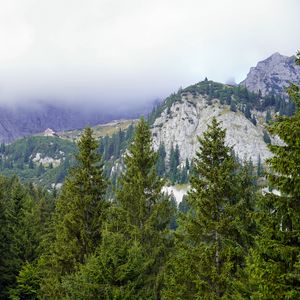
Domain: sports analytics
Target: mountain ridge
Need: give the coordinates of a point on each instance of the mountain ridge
(272, 75)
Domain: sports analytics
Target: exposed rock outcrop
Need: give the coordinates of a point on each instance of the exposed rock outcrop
(273, 75)
(188, 118)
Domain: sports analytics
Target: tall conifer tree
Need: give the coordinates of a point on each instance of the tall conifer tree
(273, 266)
(210, 246)
(129, 262)
(148, 212)
(80, 212)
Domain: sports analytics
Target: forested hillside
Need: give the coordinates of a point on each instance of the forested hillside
(46, 160)
(226, 240)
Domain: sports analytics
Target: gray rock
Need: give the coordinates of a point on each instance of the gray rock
(189, 118)
(273, 75)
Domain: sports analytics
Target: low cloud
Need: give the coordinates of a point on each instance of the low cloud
(122, 54)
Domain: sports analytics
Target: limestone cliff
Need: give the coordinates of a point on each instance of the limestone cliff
(188, 118)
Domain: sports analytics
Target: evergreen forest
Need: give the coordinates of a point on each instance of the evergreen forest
(121, 237)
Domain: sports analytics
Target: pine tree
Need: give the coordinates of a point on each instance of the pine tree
(115, 271)
(253, 120)
(211, 241)
(129, 262)
(31, 164)
(233, 107)
(260, 169)
(117, 143)
(80, 212)
(9, 263)
(174, 160)
(161, 165)
(148, 212)
(20, 231)
(273, 266)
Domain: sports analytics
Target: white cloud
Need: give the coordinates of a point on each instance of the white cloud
(135, 50)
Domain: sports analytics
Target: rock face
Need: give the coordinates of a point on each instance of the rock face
(188, 118)
(273, 75)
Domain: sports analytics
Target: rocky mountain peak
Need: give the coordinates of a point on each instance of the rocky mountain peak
(272, 75)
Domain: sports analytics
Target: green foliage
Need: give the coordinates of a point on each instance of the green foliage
(79, 215)
(233, 107)
(247, 112)
(253, 120)
(28, 283)
(129, 259)
(22, 225)
(273, 266)
(168, 102)
(143, 214)
(174, 160)
(115, 271)
(215, 233)
(237, 97)
(260, 169)
(17, 159)
(224, 244)
(161, 160)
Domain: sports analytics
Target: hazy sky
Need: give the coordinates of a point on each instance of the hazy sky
(121, 51)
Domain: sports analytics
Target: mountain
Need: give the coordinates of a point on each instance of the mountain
(269, 76)
(46, 157)
(22, 121)
(39, 159)
(186, 115)
(185, 120)
(272, 75)
(175, 125)
(242, 109)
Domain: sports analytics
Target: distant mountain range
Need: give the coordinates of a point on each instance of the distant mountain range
(244, 110)
(269, 76)
(22, 121)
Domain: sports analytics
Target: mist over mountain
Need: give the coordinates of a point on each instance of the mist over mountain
(22, 120)
(270, 76)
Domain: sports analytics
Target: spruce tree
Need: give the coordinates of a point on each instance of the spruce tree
(273, 267)
(129, 262)
(140, 188)
(115, 271)
(210, 245)
(161, 165)
(80, 212)
(174, 160)
(148, 212)
(20, 231)
(260, 169)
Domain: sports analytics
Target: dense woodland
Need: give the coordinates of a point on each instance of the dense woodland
(18, 158)
(226, 240)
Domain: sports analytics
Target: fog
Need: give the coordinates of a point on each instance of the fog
(121, 54)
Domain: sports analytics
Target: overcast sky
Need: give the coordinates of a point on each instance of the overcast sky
(121, 51)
